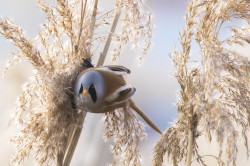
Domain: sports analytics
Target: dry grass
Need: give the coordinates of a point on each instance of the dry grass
(214, 96)
(213, 99)
(120, 125)
(44, 113)
(137, 25)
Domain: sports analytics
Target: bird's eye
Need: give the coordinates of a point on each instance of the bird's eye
(91, 86)
(92, 92)
(81, 89)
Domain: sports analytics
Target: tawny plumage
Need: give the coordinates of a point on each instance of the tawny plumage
(104, 89)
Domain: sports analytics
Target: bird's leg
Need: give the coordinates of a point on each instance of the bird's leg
(144, 116)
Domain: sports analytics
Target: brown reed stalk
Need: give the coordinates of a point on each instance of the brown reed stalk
(92, 24)
(190, 146)
(109, 39)
(73, 138)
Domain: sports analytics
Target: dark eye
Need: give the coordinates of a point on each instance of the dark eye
(91, 86)
(92, 92)
(81, 89)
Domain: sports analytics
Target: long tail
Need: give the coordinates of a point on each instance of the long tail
(144, 116)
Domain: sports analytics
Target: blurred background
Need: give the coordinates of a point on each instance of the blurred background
(156, 88)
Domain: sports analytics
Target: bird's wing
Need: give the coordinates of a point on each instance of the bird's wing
(120, 95)
(119, 70)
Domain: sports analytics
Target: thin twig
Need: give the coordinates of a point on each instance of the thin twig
(109, 39)
(209, 155)
(73, 138)
(92, 26)
(93, 19)
(98, 18)
(190, 141)
(59, 159)
(115, 9)
(71, 145)
(83, 9)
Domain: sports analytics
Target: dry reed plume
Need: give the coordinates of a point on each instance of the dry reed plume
(215, 94)
(44, 113)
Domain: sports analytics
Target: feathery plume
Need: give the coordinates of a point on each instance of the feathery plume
(214, 95)
(45, 113)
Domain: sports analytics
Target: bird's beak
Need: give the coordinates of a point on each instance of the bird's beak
(85, 91)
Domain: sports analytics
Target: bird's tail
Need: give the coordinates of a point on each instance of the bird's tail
(144, 116)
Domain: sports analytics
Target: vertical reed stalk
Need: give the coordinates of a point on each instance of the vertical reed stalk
(71, 145)
(109, 39)
(190, 143)
(59, 159)
(92, 25)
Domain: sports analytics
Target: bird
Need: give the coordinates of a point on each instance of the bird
(103, 89)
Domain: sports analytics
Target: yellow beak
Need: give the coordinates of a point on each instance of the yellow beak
(85, 91)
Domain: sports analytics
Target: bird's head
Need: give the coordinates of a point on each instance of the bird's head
(89, 90)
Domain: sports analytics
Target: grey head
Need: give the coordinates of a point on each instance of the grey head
(89, 91)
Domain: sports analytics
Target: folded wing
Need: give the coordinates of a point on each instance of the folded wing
(119, 70)
(120, 95)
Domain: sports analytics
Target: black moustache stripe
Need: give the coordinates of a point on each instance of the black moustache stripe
(92, 92)
(81, 89)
